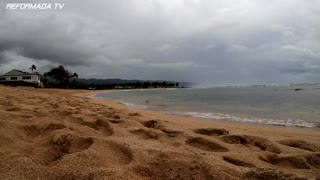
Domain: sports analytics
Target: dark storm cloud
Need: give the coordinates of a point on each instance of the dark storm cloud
(45, 38)
(204, 41)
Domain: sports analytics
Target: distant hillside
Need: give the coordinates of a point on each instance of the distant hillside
(108, 81)
(125, 81)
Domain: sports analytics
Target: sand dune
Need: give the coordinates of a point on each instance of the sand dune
(60, 134)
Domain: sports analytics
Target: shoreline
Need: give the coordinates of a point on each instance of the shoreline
(56, 133)
(254, 124)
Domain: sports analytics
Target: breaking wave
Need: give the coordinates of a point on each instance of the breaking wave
(278, 122)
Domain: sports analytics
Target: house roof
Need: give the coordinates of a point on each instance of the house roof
(15, 72)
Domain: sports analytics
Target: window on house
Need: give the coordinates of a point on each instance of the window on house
(26, 77)
(2, 79)
(13, 78)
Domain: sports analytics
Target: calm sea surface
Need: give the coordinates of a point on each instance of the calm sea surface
(297, 105)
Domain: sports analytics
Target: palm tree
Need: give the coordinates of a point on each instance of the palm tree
(33, 67)
(75, 75)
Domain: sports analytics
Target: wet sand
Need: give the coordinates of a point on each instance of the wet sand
(61, 134)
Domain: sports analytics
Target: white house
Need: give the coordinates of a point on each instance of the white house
(18, 77)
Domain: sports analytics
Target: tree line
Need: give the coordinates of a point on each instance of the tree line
(59, 77)
(135, 85)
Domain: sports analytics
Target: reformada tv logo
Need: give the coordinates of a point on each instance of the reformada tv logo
(35, 6)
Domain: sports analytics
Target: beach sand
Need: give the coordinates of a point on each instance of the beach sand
(61, 134)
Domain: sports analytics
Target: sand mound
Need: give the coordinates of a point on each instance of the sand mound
(52, 134)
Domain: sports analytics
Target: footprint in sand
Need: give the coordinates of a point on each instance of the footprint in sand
(205, 144)
(171, 132)
(44, 129)
(237, 162)
(306, 161)
(110, 113)
(262, 173)
(60, 143)
(145, 133)
(135, 114)
(157, 124)
(13, 108)
(174, 168)
(100, 125)
(116, 121)
(113, 153)
(70, 143)
(26, 116)
(6, 103)
(260, 142)
(64, 143)
(41, 113)
(211, 131)
(301, 144)
(64, 113)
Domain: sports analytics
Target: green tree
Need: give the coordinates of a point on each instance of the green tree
(60, 74)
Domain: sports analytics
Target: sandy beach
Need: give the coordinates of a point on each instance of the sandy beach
(62, 134)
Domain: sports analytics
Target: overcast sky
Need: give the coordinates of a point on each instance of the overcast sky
(210, 42)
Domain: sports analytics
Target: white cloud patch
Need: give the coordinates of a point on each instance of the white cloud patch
(300, 51)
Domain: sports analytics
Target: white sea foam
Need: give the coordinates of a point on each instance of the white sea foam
(133, 105)
(92, 96)
(171, 89)
(220, 116)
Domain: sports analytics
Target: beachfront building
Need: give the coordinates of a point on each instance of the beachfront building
(19, 78)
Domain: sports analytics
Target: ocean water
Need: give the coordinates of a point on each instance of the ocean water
(297, 106)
